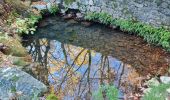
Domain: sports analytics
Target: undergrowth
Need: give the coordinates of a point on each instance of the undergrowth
(27, 25)
(157, 92)
(159, 36)
(106, 92)
(54, 9)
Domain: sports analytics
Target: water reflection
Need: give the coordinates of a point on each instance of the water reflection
(74, 71)
(76, 63)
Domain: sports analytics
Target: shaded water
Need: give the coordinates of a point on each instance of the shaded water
(76, 59)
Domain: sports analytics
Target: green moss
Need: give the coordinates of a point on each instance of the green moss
(15, 78)
(159, 36)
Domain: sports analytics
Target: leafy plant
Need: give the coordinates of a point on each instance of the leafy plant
(54, 9)
(157, 92)
(67, 2)
(27, 25)
(111, 93)
(160, 36)
(52, 96)
(101, 17)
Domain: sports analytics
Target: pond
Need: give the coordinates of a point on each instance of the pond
(77, 59)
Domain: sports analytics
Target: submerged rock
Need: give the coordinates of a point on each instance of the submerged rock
(15, 83)
(86, 24)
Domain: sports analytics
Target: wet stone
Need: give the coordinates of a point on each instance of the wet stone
(16, 83)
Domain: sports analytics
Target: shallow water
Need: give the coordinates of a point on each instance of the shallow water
(77, 59)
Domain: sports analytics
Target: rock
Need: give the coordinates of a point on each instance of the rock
(113, 27)
(165, 79)
(3, 47)
(68, 16)
(87, 24)
(17, 83)
(40, 7)
(79, 15)
(72, 21)
(168, 90)
(153, 82)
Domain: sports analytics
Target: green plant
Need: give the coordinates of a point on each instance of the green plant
(157, 92)
(102, 17)
(27, 25)
(52, 96)
(54, 9)
(159, 36)
(111, 93)
(19, 62)
(67, 2)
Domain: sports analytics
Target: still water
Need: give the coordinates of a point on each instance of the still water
(75, 60)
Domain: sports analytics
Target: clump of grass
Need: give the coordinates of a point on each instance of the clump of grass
(15, 48)
(19, 62)
(159, 36)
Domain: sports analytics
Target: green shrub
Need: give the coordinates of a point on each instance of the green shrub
(160, 36)
(54, 9)
(52, 96)
(157, 92)
(102, 17)
(110, 91)
(27, 25)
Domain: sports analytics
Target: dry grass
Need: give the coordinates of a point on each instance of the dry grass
(15, 48)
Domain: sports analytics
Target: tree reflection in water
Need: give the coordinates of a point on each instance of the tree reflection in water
(75, 72)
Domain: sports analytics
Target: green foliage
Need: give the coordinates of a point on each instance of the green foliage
(19, 62)
(157, 92)
(110, 91)
(67, 2)
(160, 36)
(54, 9)
(27, 25)
(12, 16)
(102, 17)
(52, 96)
